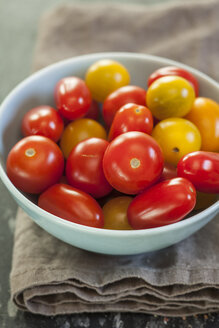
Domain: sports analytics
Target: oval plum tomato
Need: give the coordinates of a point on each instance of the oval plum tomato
(79, 130)
(205, 115)
(115, 213)
(72, 205)
(169, 172)
(72, 97)
(131, 117)
(177, 137)
(132, 162)
(34, 164)
(93, 111)
(175, 71)
(44, 121)
(105, 76)
(84, 168)
(165, 203)
(120, 97)
(202, 169)
(170, 96)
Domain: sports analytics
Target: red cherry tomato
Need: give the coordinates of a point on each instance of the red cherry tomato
(169, 172)
(175, 71)
(84, 167)
(202, 169)
(166, 202)
(132, 162)
(72, 97)
(131, 117)
(44, 121)
(34, 164)
(72, 204)
(120, 97)
(93, 111)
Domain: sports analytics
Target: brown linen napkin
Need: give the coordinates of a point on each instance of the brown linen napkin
(50, 277)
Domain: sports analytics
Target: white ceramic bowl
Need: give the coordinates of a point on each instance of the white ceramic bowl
(37, 90)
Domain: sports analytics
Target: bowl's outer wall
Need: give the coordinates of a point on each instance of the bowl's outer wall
(38, 90)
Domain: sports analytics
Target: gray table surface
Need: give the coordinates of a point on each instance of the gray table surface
(19, 21)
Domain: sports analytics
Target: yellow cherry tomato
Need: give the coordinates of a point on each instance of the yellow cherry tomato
(79, 130)
(177, 137)
(205, 115)
(115, 213)
(104, 77)
(204, 200)
(170, 96)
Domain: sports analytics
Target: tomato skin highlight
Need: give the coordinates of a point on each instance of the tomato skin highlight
(131, 117)
(132, 162)
(175, 71)
(164, 203)
(202, 169)
(120, 97)
(72, 205)
(44, 121)
(84, 167)
(72, 97)
(34, 164)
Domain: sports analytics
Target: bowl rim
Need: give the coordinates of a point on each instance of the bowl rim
(87, 229)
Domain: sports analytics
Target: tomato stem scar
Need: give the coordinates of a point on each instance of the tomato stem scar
(135, 163)
(175, 150)
(137, 110)
(30, 152)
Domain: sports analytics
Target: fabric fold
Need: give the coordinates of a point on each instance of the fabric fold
(50, 277)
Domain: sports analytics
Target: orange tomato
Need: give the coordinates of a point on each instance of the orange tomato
(205, 115)
(115, 213)
(79, 130)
